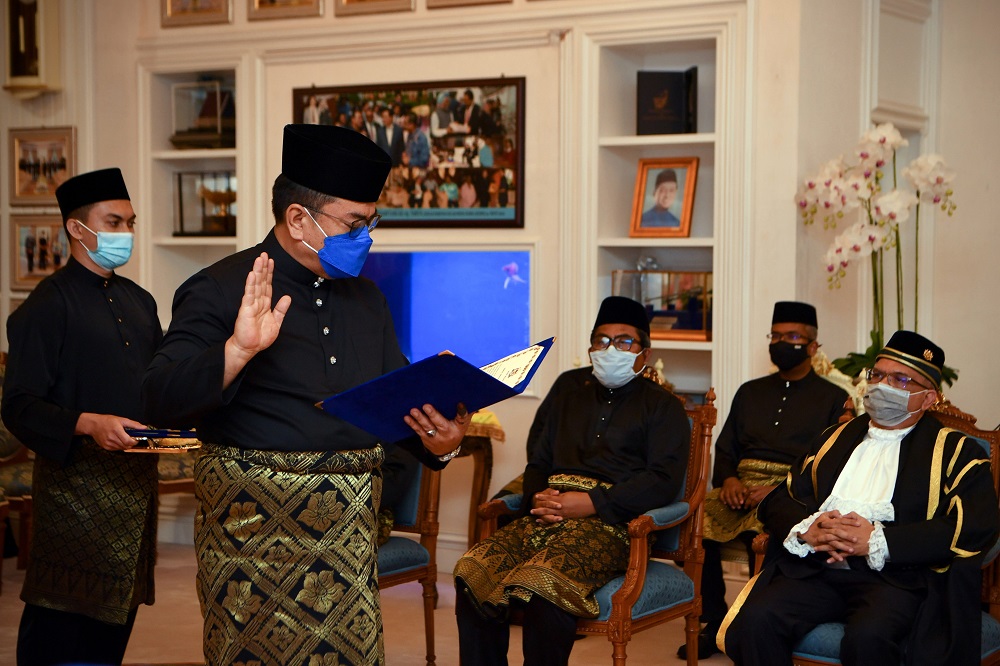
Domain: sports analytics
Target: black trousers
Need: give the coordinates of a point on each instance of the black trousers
(713, 584)
(546, 638)
(776, 615)
(49, 637)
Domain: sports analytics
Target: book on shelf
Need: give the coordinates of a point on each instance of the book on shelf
(667, 102)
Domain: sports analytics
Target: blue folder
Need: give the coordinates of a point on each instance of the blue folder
(443, 381)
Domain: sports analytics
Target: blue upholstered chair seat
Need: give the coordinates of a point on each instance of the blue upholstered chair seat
(823, 643)
(666, 586)
(400, 554)
(15, 479)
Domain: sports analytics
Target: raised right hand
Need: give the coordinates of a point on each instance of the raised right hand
(257, 325)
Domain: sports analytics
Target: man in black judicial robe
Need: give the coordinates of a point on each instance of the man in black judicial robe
(772, 421)
(79, 346)
(883, 526)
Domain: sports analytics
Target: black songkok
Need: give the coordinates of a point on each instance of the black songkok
(915, 351)
(621, 310)
(89, 188)
(794, 312)
(336, 161)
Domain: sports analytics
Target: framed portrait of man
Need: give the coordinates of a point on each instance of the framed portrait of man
(664, 197)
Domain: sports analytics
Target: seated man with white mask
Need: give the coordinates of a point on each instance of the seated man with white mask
(881, 525)
(607, 445)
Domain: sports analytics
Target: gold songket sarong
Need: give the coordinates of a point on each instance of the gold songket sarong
(723, 524)
(94, 544)
(564, 562)
(286, 556)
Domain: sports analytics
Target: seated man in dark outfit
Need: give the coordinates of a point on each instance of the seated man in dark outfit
(772, 421)
(882, 525)
(610, 445)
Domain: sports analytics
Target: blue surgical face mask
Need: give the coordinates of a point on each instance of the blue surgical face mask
(114, 248)
(888, 406)
(613, 367)
(342, 256)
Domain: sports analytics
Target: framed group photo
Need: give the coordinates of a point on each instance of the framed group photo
(457, 147)
(664, 197)
(41, 159)
(38, 248)
(195, 12)
(351, 7)
(275, 9)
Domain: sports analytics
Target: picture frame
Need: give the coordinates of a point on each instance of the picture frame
(463, 165)
(175, 13)
(679, 303)
(41, 159)
(38, 248)
(277, 9)
(32, 55)
(659, 210)
(354, 7)
(436, 4)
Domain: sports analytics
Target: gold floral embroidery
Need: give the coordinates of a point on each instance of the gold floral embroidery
(329, 659)
(323, 510)
(362, 626)
(240, 601)
(358, 544)
(277, 555)
(282, 637)
(320, 592)
(243, 520)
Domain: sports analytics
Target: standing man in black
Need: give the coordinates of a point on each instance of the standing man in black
(772, 421)
(78, 348)
(288, 495)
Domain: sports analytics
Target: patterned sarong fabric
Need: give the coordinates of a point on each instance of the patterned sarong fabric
(723, 524)
(286, 556)
(94, 544)
(564, 563)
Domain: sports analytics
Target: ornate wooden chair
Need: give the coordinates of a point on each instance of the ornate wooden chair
(4, 512)
(651, 591)
(15, 479)
(821, 646)
(402, 559)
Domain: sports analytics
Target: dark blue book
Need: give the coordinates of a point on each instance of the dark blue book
(444, 381)
(667, 102)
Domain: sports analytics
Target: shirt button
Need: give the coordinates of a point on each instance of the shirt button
(333, 359)
(326, 330)
(775, 423)
(783, 398)
(779, 411)
(119, 320)
(126, 343)
(316, 283)
(110, 300)
(319, 302)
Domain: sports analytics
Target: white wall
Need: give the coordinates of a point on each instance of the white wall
(966, 306)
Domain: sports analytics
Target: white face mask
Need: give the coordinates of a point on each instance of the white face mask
(888, 406)
(613, 368)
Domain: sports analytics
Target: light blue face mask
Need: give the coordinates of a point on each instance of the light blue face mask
(114, 248)
(342, 256)
(613, 367)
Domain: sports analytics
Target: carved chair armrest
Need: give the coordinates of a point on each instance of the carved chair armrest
(508, 505)
(639, 529)
(759, 549)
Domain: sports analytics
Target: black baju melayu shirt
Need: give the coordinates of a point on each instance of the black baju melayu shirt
(337, 334)
(79, 343)
(775, 419)
(636, 438)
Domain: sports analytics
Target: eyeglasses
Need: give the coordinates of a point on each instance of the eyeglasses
(356, 228)
(793, 337)
(894, 379)
(621, 342)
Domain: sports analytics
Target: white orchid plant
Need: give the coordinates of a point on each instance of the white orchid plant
(855, 192)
